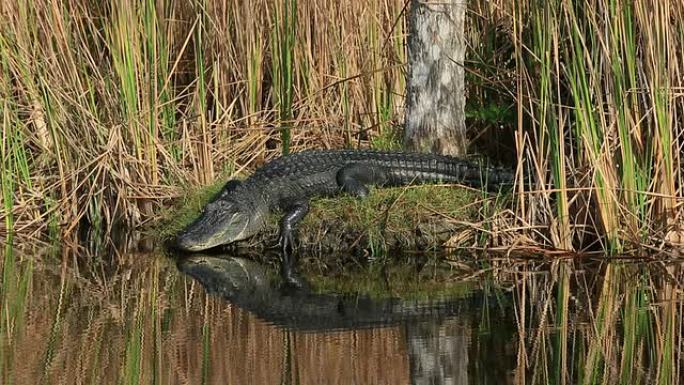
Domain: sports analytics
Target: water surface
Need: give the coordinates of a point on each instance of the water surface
(119, 316)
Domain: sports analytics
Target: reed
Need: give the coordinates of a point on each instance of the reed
(109, 111)
(283, 38)
(607, 124)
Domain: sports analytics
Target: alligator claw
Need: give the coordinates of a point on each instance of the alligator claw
(288, 268)
(286, 242)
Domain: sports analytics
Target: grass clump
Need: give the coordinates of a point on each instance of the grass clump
(414, 217)
(388, 139)
(187, 209)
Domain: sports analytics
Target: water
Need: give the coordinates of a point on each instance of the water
(73, 316)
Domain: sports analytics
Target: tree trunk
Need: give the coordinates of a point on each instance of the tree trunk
(435, 89)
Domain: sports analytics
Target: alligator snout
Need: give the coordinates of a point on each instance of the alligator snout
(185, 243)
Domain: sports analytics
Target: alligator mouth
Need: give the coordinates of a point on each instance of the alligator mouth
(185, 244)
(188, 241)
(195, 238)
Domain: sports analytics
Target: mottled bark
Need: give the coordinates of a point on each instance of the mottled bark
(435, 94)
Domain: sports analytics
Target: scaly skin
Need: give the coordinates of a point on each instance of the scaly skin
(288, 183)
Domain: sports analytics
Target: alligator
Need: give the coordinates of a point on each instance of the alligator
(286, 184)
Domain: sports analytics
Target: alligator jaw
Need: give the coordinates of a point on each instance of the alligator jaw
(186, 244)
(188, 241)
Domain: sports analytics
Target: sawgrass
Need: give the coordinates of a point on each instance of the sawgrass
(600, 123)
(283, 38)
(107, 109)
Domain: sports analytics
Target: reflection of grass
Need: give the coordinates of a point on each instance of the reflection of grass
(13, 301)
(610, 331)
(397, 279)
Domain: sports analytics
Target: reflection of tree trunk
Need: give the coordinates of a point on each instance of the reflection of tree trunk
(438, 352)
(435, 90)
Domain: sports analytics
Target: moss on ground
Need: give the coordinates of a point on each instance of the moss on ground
(173, 219)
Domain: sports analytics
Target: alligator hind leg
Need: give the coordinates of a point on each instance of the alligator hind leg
(288, 223)
(354, 178)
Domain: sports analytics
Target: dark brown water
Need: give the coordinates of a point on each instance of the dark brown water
(73, 316)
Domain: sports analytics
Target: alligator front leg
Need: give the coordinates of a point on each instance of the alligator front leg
(294, 214)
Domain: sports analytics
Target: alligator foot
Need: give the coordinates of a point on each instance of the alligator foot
(288, 268)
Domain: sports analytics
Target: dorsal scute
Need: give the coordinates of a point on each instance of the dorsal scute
(311, 160)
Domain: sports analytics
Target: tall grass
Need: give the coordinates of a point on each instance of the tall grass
(283, 39)
(601, 84)
(109, 109)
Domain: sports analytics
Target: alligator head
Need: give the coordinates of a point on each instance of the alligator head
(224, 220)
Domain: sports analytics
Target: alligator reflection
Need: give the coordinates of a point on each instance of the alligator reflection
(438, 334)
